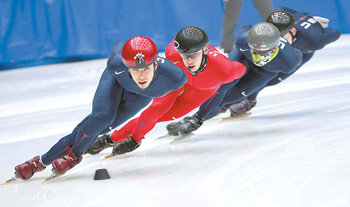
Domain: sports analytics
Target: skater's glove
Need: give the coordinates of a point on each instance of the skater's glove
(323, 21)
(189, 124)
(104, 141)
(125, 146)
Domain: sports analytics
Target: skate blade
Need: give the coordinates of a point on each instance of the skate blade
(109, 156)
(163, 137)
(236, 117)
(119, 156)
(9, 181)
(183, 138)
(50, 178)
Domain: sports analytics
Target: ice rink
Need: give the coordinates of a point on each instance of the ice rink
(292, 151)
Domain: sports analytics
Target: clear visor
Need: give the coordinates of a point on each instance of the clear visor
(191, 55)
(262, 58)
(262, 53)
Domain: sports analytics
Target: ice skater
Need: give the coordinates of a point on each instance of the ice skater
(302, 31)
(133, 77)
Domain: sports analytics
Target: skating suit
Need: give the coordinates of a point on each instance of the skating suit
(117, 99)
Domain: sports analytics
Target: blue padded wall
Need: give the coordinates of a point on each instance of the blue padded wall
(50, 31)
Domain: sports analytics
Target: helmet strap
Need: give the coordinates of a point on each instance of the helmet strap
(154, 70)
(294, 35)
(203, 64)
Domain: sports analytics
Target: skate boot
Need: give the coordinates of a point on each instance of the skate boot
(185, 126)
(223, 109)
(189, 124)
(242, 107)
(27, 169)
(104, 141)
(65, 163)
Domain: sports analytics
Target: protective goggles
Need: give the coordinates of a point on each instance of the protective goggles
(261, 52)
(262, 58)
(191, 55)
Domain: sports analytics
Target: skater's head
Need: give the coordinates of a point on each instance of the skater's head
(191, 42)
(284, 21)
(263, 39)
(140, 54)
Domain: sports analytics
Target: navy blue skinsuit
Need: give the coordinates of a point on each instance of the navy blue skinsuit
(117, 99)
(256, 78)
(311, 36)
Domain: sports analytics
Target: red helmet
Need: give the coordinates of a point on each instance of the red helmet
(139, 52)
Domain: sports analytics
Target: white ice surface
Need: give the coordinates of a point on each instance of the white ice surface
(293, 151)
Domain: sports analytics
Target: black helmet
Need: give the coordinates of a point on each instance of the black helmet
(283, 20)
(263, 37)
(190, 39)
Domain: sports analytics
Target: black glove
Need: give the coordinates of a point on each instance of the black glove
(125, 146)
(185, 126)
(104, 141)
